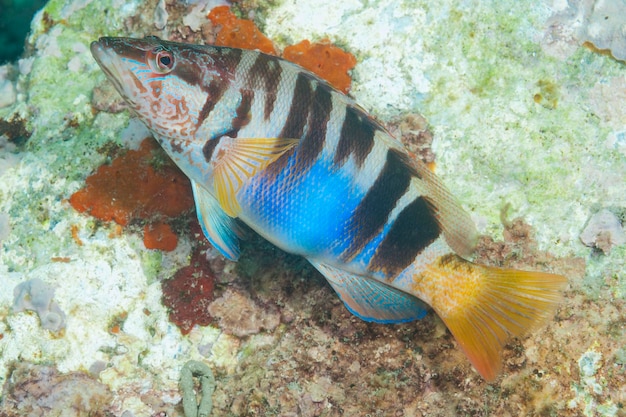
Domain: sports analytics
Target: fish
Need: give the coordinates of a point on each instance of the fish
(270, 145)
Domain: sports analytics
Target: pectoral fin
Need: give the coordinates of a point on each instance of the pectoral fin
(372, 300)
(240, 159)
(220, 229)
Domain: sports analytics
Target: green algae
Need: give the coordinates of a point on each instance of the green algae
(151, 263)
(61, 44)
(537, 144)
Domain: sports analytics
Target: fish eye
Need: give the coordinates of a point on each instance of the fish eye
(162, 61)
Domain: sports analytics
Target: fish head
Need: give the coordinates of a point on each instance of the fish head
(168, 85)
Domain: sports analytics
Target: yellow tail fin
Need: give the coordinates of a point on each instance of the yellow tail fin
(484, 306)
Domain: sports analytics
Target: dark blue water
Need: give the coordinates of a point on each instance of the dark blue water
(15, 17)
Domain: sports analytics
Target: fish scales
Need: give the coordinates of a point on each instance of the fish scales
(269, 144)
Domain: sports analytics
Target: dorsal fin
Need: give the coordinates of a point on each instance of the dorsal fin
(458, 228)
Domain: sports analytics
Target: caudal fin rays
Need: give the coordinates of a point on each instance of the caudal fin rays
(506, 303)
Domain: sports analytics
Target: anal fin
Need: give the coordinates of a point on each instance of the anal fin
(371, 300)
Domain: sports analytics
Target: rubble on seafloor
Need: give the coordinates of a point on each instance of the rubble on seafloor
(514, 113)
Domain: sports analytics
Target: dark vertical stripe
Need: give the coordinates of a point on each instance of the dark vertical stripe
(373, 212)
(209, 147)
(229, 58)
(215, 91)
(299, 110)
(193, 70)
(296, 120)
(313, 142)
(242, 114)
(412, 231)
(265, 74)
(356, 137)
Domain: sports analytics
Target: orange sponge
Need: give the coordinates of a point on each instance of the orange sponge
(238, 33)
(159, 236)
(324, 59)
(133, 187)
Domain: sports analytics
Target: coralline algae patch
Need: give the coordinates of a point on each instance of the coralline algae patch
(189, 292)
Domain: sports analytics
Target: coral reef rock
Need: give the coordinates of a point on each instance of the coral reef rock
(35, 390)
(241, 316)
(596, 22)
(603, 231)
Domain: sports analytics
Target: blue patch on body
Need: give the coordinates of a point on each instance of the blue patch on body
(303, 213)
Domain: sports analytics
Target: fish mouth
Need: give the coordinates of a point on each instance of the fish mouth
(110, 64)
